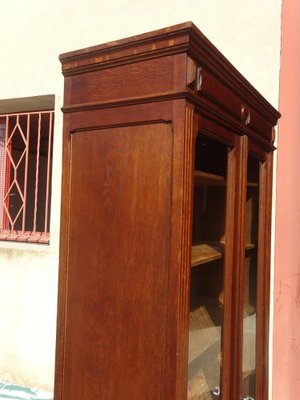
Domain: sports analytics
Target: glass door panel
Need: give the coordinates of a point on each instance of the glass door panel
(206, 303)
(250, 279)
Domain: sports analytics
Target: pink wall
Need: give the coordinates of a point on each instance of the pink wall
(286, 356)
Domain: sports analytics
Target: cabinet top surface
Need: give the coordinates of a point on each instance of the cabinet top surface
(134, 40)
(182, 38)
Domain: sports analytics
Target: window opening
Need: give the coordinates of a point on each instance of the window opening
(25, 176)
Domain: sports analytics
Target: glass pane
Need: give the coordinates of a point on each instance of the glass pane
(206, 305)
(250, 279)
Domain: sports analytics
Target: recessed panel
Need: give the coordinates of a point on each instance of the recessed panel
(118, 263)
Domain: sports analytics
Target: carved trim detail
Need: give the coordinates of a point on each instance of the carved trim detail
(183, 38)
(245, 115)
(185, 264)
(199, 79)
(202, 107)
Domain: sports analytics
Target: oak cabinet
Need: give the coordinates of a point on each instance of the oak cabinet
(166, 215)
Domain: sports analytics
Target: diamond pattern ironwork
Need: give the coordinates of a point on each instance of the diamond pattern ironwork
(22, 133)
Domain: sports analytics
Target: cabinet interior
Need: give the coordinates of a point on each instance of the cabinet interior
(208, 244)
(208, 247)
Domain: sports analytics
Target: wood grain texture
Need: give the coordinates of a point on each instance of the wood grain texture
(267, 275)
(184, 131)
(263, 282)
(204, 253)
(218, 92)
(97, 76)
(120, 116)
(118, 263)
(63, 256)
(128, 81)
(182, 38)
(131, 117)
(232, 372)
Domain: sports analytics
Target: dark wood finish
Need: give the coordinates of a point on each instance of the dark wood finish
(242, 266)
(128, 208)
(132, 112)
(228, 371)
(157, 75)
(207, 179)
(215, 90)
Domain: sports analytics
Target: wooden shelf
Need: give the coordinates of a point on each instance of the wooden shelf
(250, 246)
(252, 184)
(204, 253)
(206, 179)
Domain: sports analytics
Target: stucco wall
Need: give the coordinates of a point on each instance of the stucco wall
(286, 379)
(28, 317)
(32, 34)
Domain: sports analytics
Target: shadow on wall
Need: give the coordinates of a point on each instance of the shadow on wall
(10, 391)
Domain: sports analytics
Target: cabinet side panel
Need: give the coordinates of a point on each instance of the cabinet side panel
(117, 283)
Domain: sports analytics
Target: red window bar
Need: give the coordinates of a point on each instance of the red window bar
(25, 176)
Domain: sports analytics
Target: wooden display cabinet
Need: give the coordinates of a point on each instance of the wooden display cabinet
(166, 215)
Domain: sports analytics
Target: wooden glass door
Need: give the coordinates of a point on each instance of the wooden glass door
(207, 274)
(250, 279)
(228, 328)
(255, 289)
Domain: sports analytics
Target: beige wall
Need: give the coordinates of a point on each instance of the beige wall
(32, 34)
(27, 317)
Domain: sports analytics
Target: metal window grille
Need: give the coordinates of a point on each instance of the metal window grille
(2, 169)
(25, 176)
